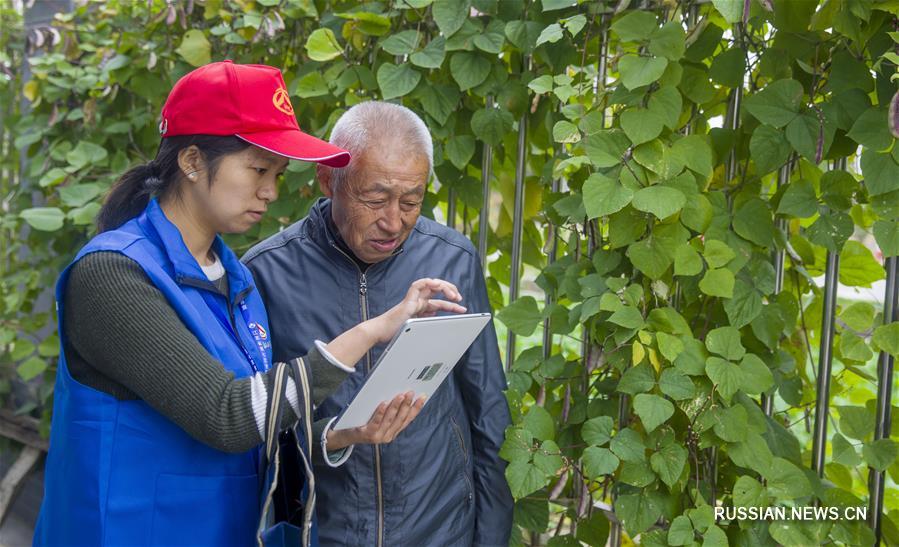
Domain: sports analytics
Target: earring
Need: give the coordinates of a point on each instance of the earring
(192, 175)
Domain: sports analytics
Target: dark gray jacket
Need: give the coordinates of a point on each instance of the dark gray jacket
(441, 482)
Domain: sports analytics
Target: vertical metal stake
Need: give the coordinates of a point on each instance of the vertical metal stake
(517, 229)
(451, 208)
(484, 214)
(883, 410)
(825, 361)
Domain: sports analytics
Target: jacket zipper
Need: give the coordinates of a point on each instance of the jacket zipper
(464, 458)
(363, 303)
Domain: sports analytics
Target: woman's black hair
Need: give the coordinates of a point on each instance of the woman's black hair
(129, 196)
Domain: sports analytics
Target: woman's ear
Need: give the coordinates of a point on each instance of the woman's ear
(191, 163)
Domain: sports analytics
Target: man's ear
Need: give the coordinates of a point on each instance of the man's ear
(323, 173)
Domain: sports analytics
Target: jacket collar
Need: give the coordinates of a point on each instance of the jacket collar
(185, 268)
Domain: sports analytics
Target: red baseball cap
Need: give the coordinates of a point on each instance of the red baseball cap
(247, 101)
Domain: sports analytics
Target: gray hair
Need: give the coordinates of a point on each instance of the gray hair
(372, 122)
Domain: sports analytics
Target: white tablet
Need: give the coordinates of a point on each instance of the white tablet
(418, 359)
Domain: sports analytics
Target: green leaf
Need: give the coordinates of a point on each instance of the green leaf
(729, 67)
(566, 132)
(628, 317)
(859, 316)
(880, 171)
(575, 24)
(802, 133)
(880, 454)
(493, 37)
(635, 26)
(669, 463)
(551, 5)
(524, 478)
(753, 222)
(854, 348)
(639, 71)
(46, 219)
(687, 261)
(886, 232)
(606, 148)
(460, 149)
(523, 34)
(322, 45)
(871, 130)
(598, 462)
(312, 84)
(651, 256)
(432, 55)
(86, 153)
(786, 481)
(628, 446)
(668, 41)
(450, 15)
(469, 69)
(641, 125)
(799, 200)
(542, 84)
(491, 124)
(858, 268)
(539, 423)
(652, 410)
(521, 316)
(856, 422)
(638, 379)
(31, 368)
(77, 195)
(401, 43)
(681, 531)
(844, 453)
(670, 346)
(638, 511)
(757, 377)
(517, 445)
(831, 230)
(549, 458)
(777, 104)
(439, 101)
(397, 81)
(717, 282)
(768, 148)
(725, 341)
(726, 375)
(82, 216)
(195, 48)
(731, 423)
(604, 196)
(676, 384)
(731, 10)
(597, 431)
(717, 253)
(366, 22)
(695, 153)
(661, 201)
(667, 104)
(749, 492)
(886, 338)
(532, 514)
(551, 34)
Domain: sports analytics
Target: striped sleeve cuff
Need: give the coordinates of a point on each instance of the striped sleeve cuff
(335, 458)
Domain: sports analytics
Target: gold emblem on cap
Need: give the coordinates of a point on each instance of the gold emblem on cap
(281, 100)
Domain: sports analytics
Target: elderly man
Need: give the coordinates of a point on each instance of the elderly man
(441, 481)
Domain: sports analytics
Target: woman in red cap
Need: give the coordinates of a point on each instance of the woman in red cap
(165, 371)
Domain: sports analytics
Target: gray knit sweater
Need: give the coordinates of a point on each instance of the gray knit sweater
(122, 337)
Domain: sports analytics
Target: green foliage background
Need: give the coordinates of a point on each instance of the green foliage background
(662, 307)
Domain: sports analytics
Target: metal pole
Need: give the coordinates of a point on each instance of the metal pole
(783, 178)
(517, 221)
(884, 392)
(825, 358)
(548, 300)
(451, 208)
(484, 214)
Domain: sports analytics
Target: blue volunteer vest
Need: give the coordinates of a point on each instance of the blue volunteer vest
(120, 473)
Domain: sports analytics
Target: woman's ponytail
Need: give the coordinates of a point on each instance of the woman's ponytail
(129, 196)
